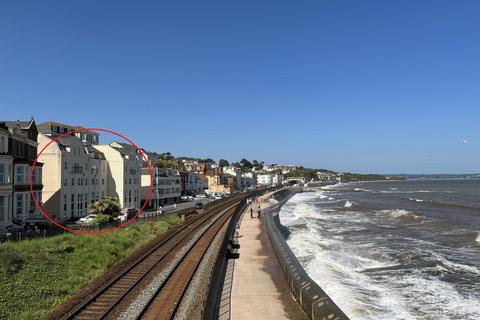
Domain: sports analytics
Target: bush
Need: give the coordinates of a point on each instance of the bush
(102, 219)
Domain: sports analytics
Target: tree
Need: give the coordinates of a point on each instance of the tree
(223, 163)
(208, 161)
(105, 208)
(165, 164)
(167, 156)
(246, 163)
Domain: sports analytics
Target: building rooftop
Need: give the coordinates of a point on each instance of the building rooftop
(46, 127)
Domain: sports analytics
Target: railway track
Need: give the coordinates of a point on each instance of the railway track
(175, 259)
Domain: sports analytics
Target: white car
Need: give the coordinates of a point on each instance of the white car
(87, 219)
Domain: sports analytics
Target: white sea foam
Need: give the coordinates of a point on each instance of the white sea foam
(399, 213)
(417, 200)
(336, 264)
(364, 190)
(348, 204)
(478, 237)
(454, 266)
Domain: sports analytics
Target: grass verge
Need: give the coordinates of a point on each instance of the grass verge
(38, 275)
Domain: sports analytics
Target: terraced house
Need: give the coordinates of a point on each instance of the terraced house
(75, 172)
(18, 150)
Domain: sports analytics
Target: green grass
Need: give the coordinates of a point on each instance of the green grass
(38, 275)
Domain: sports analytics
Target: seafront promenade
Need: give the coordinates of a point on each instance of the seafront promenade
(259, 289)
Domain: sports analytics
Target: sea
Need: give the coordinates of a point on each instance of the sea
(393, 249)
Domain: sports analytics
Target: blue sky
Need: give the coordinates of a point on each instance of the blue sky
(366, 86)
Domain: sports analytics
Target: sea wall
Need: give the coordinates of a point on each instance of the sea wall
(313, 300)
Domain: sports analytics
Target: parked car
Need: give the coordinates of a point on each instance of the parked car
(199, 205)
(130, 213)
(86, 219)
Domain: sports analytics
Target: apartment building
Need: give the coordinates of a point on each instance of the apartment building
(270, 179)
(75, 172)
(193, 183)
(167, 187)
(6, 185)
(124, 173)
(18, 150)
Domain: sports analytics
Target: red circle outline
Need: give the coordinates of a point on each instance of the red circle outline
(126, 223)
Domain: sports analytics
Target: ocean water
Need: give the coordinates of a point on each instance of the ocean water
(392, 250)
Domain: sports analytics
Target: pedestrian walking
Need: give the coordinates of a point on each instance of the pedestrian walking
(251, 213)
(259, 212)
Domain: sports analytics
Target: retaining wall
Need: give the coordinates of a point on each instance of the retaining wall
(313, 300)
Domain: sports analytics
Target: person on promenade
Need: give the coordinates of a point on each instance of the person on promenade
(251, 212)
(259, 212)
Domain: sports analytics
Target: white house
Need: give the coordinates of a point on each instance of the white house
(75, 173)
(124, 173)
(270, 179)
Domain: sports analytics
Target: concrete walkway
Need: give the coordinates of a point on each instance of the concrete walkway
(260, 290)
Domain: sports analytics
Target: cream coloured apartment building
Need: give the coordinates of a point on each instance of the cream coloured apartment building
(74, 176)
(124, 175)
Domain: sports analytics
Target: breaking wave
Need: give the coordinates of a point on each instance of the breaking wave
(348, 204)
(401, 214)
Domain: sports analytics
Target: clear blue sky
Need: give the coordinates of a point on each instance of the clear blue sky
(367, 86)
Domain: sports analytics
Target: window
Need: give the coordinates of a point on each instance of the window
(73, 181)
(32, 202)
(130, 181)
(2, 173)
(93, 197)
(65, 182)
(86, 181)
(103, 182)
(34, 176)
(65, 203)
(93, 181)
(72, 205)
(20, 174)
(80, 182)
(66, 165)
(3, 209)
(3, 149)
(19, 200)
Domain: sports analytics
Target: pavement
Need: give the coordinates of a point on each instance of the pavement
(259, 289)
